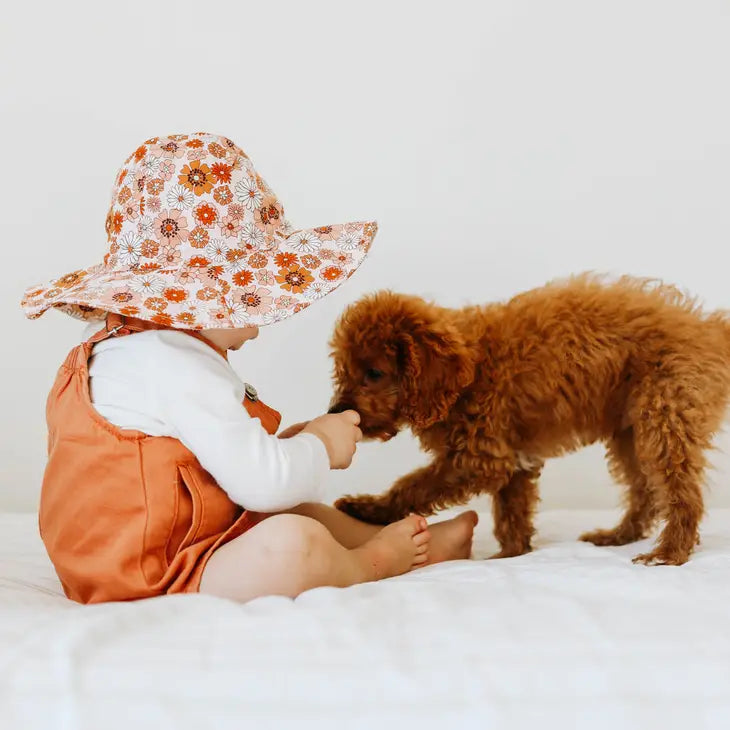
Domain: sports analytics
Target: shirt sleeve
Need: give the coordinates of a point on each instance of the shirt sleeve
(200, 397)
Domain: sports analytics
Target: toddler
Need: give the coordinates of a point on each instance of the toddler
(164, 472)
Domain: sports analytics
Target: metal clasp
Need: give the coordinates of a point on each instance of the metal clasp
(251, 392)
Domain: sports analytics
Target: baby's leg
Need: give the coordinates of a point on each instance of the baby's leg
(287, 554)
(450, 539)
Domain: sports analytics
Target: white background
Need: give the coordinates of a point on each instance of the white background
(498, 144)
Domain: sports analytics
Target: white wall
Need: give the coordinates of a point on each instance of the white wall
(499, 144)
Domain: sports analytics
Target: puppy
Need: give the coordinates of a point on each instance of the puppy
(494, 391)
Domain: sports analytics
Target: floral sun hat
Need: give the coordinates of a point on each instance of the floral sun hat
(197, 239)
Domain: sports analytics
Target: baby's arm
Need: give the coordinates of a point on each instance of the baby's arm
(201, 399)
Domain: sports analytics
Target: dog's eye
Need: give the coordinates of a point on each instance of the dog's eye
(372, 375)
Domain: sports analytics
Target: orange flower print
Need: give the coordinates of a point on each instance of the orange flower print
(332, 273)
(171, 227)
(216, 149)
(207, 294)
(167, 169)
(236, 210)
(268, 214)
(255, 300)
(206, 214)
(311, 262)
(196, 177)
(194, 143)
(124, 195)
(154, 205)
(294, 278)
(257, 261)
(139, 153)
(230, 226)
(146, 268)
(221, 172)
(325, 233)
(235, 258)
(185, 317)
(169, 257)
(171, 149)
(65, 282)
(130, 210)
(284, 260)
(175, 295)
(156, 304)
(223, 195)
(242, 278)
(198, 262)
(149, 249)
(215, 271)
(163, 319)
(129, 311)
(155, 186)
(53, 293)
(199, 237)
(123, 297)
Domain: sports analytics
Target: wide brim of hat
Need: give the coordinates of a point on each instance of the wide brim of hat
(172, 299)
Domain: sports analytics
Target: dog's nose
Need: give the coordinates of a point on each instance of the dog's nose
(339, 407)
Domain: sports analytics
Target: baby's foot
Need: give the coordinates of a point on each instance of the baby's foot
(398, 547)
(452, 539)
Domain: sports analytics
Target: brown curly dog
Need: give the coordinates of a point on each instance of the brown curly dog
(494, 391)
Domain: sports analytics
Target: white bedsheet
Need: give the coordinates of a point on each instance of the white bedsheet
(570, 636)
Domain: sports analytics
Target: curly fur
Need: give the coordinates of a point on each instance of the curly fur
(494, 391)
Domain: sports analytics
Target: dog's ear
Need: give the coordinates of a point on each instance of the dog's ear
(435, 365)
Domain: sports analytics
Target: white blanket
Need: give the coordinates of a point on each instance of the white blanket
(570, 636)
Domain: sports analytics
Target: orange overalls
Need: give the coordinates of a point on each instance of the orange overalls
(124, 515)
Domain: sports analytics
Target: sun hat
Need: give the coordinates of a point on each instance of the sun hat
(197, 239)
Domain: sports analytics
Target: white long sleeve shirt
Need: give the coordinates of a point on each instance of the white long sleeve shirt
(166, 383)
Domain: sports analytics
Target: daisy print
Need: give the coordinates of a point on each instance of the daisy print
(150, 165)
(349, 240)
(217, 250)
(275, 315)
(149, 285)
(304, 242)
(248, 193)
(252, 235)
(317, 290)
(237, 312)
(235, 260)
(130, 248)
(145, 227)
(180, 198)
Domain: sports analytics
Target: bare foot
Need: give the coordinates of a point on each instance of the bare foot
(397, 548)
(451, 539)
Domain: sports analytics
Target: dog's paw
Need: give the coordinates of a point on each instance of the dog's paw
(510, 552)
(604, 538)
(365, 508)
(661, 556)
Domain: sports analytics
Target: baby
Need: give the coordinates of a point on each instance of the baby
(164, 472)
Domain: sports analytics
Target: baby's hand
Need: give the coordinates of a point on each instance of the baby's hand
(287, 433)
(339, 433)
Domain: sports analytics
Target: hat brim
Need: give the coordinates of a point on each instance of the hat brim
(282, 277)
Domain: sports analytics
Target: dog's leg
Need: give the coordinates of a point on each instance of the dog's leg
(418, 492)
(513, 508)
(641, 511)
(424, 491)
(670, 438)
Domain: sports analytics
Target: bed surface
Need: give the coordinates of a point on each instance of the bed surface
(569, 636)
